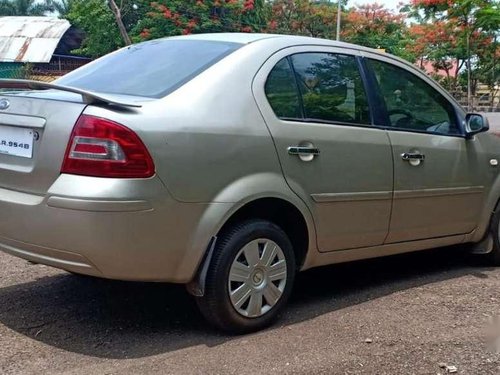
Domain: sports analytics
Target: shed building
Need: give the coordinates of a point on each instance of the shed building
(38, 46)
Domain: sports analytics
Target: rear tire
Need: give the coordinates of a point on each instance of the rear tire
(250, 277)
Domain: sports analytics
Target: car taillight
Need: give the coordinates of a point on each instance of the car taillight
(102, 148)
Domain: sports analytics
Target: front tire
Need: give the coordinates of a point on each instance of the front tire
(250, 277)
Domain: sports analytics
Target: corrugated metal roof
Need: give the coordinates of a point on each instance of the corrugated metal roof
(30, 39)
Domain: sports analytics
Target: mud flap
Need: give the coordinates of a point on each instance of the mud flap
(197, 286)
(483, 247)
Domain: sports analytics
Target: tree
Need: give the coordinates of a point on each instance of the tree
(104, 31)
(117, 12)
(369, 25)
(25, 7)
(374, 26)
(438, 44)
(256, 15)
(303, 17)
(62, 7)
(469, 21)
(175, 17)
(97, 21)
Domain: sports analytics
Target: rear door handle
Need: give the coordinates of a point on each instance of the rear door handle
(300, 150)
(413, 156)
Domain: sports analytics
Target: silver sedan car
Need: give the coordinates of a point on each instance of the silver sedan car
(228, 162)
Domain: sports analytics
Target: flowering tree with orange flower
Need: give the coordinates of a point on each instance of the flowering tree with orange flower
(457, 30)
(303, 17)
(370, 25)
(175, 17)
(373, 25)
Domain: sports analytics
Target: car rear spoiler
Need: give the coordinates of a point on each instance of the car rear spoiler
(88, 97)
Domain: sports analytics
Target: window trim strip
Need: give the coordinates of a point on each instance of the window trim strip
(297, 87)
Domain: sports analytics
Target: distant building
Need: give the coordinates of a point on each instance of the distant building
(429, 67)
(484, 99)
(38, 47)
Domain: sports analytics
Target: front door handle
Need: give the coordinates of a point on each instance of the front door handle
(302, 150)
(412, 156)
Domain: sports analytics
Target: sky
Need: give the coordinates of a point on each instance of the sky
(391, 4)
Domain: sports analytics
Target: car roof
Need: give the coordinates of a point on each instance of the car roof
(247, 38)
(243, 38)
(285, 41)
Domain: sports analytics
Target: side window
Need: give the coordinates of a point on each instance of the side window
(413, 104)
(331, 88)
(281, 91)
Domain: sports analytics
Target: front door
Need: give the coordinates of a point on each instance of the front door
(314, 103)
(438, 179)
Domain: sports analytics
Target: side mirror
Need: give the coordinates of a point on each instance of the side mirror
(475, 123)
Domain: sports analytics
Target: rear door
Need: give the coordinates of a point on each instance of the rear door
(439, 175)
(34, 133)
(314, 102)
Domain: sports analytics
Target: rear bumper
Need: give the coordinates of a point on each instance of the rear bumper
(51, 257)
(127, 229)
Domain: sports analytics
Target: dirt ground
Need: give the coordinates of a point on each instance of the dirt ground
(419, 310)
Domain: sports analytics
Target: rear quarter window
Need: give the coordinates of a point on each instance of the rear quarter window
(281, 91)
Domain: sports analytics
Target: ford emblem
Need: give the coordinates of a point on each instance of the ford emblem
(4, 104)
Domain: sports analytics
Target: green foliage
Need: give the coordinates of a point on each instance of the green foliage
(488, 17)
(374, 26)
(62, 7)
(97, 21)
(303, 17)
(175, 17)
(439, 35)
(461, 31)
(25, 7)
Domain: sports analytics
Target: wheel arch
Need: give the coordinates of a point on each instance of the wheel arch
(492, 202)
(280, 212)
(294, 219)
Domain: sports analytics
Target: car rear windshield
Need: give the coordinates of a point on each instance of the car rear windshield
(151, 69)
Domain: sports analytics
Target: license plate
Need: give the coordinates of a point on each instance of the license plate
(16, 141)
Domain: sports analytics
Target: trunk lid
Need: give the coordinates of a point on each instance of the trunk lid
(34, 133)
